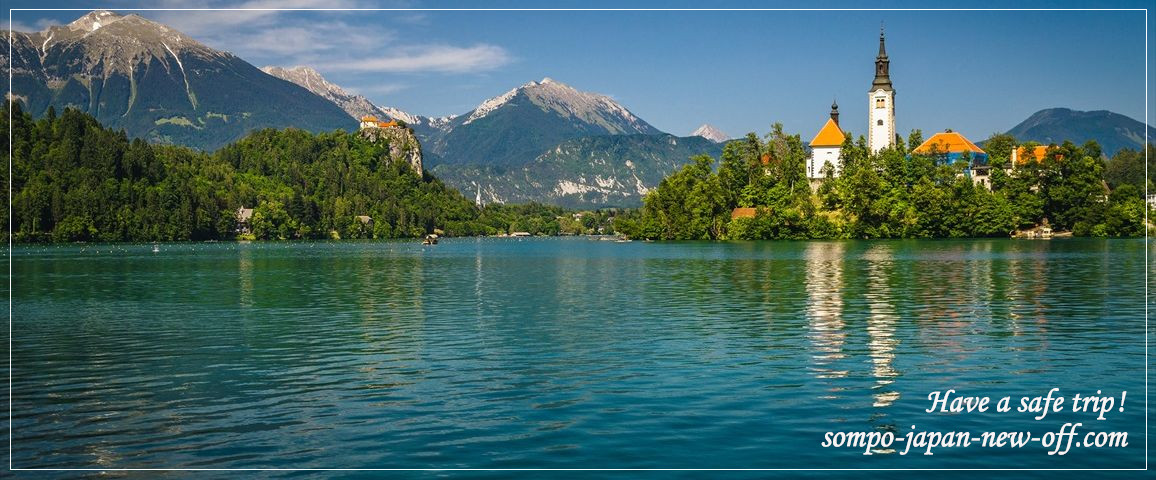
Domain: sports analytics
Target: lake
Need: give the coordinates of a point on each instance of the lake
(567, 352)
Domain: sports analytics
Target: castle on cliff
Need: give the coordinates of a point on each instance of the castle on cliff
(403, 144)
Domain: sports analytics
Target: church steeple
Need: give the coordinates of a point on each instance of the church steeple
(882, 49)
(882, 66)
(835, 112)
(881, 129)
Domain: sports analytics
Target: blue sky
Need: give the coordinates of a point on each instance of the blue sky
(977, 72)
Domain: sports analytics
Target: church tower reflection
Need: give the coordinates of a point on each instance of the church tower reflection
(881, 343)
(824, 283)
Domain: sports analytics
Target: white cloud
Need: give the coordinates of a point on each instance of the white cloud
(244, 16)
(430, 58)
(249, 14)
(16, 25)
(376, 89)
(414, 18)
(354, 49)
(21, 26)
(327, 40)
(300, 43)
(44, 23)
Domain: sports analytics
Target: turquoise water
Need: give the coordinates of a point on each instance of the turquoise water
(560, 353)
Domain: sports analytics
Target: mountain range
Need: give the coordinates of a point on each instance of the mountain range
(157, 83)
(512, 129)
(595, 171)
(356, 106)
(508, 130)
(541, 141)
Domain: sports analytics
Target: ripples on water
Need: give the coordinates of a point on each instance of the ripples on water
(498, 353)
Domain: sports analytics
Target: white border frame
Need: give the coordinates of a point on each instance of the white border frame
(10, 393)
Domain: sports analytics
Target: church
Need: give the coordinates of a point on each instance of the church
(947, 146)
(826, 145)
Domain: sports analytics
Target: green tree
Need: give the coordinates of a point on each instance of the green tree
(1126, 168)
(999, 148)
(690, 204)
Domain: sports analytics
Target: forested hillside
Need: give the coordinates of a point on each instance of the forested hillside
(74, 180)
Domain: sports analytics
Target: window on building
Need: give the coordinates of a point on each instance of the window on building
(880, 102)
(879, 122)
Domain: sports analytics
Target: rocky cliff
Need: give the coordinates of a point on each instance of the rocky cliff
(403, 144)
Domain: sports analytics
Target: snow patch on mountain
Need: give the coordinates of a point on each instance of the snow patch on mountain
(555, 96)
(492, 104)
(711, 133)
(110, 43)
(92, 21)
(585, 106)
(356, 106)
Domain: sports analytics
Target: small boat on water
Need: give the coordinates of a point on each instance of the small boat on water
(156, 248)
(431, 239)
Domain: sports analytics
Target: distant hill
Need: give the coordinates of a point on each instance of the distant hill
(599, 171)
(157, 83)
(1111, 130)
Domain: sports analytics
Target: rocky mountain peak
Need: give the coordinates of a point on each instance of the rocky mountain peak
(93, 20)
(309, 78)
(567, 102)
(118, 40)
(157, 83)
(711, 133)
(355, 105)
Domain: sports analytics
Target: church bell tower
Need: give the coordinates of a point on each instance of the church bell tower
(881, 98)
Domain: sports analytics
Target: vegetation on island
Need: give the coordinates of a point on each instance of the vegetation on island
(74, 180)
(892, 194)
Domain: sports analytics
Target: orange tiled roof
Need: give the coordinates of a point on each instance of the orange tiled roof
(744, 212)
(1038, 154)
(829, 136)
(369, 118)
(388, 124)
(948, 142)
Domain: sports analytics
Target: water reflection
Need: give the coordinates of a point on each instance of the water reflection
(944, 317)
(881, 323)
(558, 353)
(1035, 286)
(980, 285)
(245, 271)
(824, 282)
